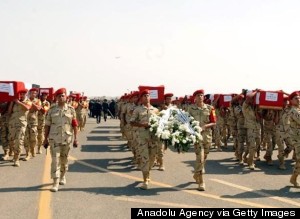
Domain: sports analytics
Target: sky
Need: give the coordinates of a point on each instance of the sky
(110, 47)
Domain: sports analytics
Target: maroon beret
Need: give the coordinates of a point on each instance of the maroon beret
(168, 95)
(295, 93)
(34, 89)
(61, 91)
(143, 92)
(22, 91)
(198, 92)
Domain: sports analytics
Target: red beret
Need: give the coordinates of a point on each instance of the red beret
(45, 92)
(198, 92)
(61, 91)
(34, 89)
(84, 97)
(135, 94)
(295, 93)
(143, 92)
(22, 91)
(168, 95)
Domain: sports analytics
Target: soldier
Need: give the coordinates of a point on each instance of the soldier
(161, 147)
(32, 123)
(205, 115)
(45, 106)
(283, 132)
(19, 110)
(252, 123)
(147, 142)
(295, 133)
(81, 112)
(4, 129)
(60, 125)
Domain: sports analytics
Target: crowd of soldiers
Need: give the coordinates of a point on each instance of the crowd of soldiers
(22, 122)
(251, 128)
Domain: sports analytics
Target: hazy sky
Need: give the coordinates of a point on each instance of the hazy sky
(221, 46)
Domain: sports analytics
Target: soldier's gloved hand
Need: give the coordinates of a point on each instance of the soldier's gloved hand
(46, 144)
(75, 144)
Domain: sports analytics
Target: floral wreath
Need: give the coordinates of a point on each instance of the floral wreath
(177, 128)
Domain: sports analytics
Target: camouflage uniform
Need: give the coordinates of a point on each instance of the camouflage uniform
(147, 141)
(253, 132)
(31, 130)
(283, 134)
(294, 116)
(60, 137)
(269, 131)
(204, 115)
(41, 123)
(17, 127)
(4, 118)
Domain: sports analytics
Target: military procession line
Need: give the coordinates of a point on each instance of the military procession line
(255, 119)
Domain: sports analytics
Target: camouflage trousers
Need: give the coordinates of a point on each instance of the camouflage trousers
(253, 138)
(147, 148)
(160, 151)
(270, 137)
(16, 139)
(200, 161)
(283, 139)
(207, 140)
(128, 134)
(30, 138)
(4, 137)
(296, 144)
(41, 134)
(59, 156)
(135, 146)
(242, 140)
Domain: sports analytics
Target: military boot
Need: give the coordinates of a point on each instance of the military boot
(146, 178)
(62, 180)
(196, 178)
(161, 165)
(293, 180)
(5, 155)
(32, 150)
(281, 162)
(201, 186)
(39, 151)
(27, 156)
(55, 185)
(251, 159)
(16, 160)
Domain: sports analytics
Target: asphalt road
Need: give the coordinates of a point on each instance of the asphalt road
(102, 182)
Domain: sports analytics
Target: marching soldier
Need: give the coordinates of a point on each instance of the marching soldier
(147, 142)
(205, 115)
(295, 133)
(4, 118)
(18, 109)
(45, 106)
(32, 123)
(60, 128)
(161, 147)
(252, 123)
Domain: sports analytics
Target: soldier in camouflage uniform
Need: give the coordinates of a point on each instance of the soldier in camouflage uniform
(4, 118)
(18, 109)
(147, 141)
(60, 125)
(32, 123)
(161, 147)
(252, 123)
(45, 106)
(205, 115)
(283, 132)
(294, 117)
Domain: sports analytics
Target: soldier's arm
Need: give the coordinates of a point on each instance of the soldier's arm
(26, 106)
